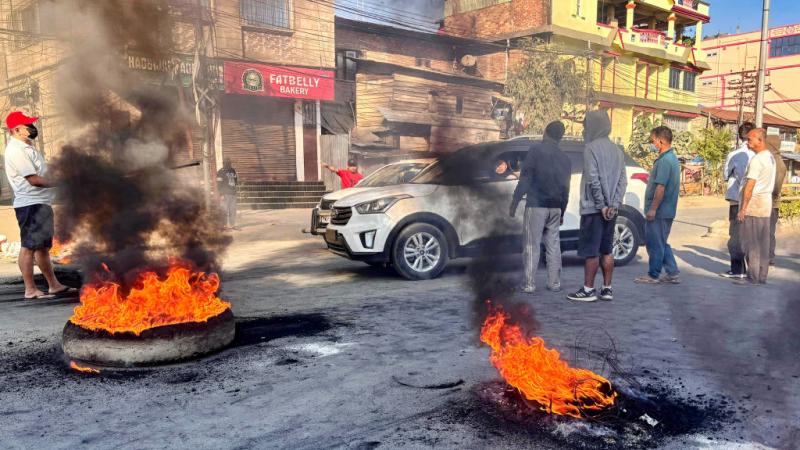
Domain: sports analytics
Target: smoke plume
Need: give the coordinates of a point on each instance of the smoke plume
(119, 199)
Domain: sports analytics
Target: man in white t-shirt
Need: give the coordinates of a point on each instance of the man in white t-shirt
(26, 171)
(755, 208)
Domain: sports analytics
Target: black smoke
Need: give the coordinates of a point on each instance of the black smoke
(118, 197)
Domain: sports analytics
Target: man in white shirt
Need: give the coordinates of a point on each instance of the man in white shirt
(734, 173)
(26, 171)
(755, 208)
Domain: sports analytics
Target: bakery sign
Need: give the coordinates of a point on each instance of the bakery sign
(278, 81)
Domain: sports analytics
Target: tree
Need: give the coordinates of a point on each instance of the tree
(546, 86)
(639, 148)
(713, 145)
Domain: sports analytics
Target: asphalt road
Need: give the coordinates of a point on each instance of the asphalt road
(335, 354)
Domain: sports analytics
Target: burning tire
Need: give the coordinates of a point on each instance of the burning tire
(626, 241)
(159, 345)
(420, 252)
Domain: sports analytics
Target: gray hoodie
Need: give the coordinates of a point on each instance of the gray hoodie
(604, 179)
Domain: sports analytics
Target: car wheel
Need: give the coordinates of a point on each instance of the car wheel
(420, 252)
(626, 241)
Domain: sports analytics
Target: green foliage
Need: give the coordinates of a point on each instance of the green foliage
(790, 210)
(713, 145)
(639, 148)
(546, 86)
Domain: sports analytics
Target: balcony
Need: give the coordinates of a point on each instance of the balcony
(645, 39)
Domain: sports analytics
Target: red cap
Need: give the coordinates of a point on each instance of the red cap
(16, 119)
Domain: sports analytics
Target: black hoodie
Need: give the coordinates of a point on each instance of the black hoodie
(545, 177)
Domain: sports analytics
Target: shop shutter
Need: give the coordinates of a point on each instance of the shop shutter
(258, 135)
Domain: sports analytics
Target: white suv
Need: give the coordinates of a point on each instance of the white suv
(458, 207)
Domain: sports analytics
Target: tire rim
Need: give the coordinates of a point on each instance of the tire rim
(624, 241)
(422, 252)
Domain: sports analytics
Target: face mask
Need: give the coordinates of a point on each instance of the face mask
(654, 149)
(33, 133)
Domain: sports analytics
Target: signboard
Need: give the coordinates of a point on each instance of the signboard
(179, 66)
(772, 131)
(788, 146)
(278, 81)
(784, 31)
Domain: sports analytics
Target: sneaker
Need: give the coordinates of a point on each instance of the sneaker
(528, 289)
(581, 295)
(647, 279)
(606, 294)
(554, 288)
(670, 279)
(732, 275)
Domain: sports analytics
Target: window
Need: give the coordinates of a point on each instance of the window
(578, 8)
(676, 123)
(266, 13)
(711, 55)
(784, 46)
(459, 104)
(27, 21)
(688, 81)
(423, 62)
(346, 65)
(674, 78)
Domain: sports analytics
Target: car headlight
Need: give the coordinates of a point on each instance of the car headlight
(380, 205)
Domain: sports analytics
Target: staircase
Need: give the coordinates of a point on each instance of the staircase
(280, 194)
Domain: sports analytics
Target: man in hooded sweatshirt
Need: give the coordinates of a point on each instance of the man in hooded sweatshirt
(603, 186)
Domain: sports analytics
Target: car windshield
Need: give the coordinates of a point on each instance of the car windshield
(393, 174)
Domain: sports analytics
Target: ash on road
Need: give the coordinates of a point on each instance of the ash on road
(332, 353)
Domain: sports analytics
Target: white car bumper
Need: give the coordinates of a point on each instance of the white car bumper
(362, 235)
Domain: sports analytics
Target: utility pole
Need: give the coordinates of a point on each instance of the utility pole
(762, 66)
(204, 102)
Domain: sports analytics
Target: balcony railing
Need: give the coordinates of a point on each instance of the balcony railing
(646, 36)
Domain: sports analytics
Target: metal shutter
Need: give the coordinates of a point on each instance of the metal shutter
(258, 135)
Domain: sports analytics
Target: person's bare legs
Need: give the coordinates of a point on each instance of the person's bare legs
(607, 261)
(25, 262)
(46, 266)
(590, 271)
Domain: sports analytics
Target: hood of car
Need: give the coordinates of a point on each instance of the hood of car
(340, 194)
(370, 194)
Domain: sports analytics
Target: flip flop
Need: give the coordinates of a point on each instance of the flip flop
(41, 297)
(65, 292)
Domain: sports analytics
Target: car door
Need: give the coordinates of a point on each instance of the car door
(483, 205)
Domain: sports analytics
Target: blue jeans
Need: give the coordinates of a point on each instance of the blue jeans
(661, 257)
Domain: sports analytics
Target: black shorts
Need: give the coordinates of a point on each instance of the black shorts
(35, 226)
(596, 236)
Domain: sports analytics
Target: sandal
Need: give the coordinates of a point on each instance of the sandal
(40, 297)
(64, 292)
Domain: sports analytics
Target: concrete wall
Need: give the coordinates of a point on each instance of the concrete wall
(729, 56)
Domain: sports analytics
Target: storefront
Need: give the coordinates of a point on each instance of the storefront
(270, 124)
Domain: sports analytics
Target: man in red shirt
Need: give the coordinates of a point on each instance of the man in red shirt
(350, 176)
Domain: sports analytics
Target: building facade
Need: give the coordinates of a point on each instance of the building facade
(730, 84)
(413, 93)
(642, 54)
(271, 64)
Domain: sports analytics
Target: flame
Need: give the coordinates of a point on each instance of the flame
(182, 296)
(58, 251)
(74, 366)
(539, 373)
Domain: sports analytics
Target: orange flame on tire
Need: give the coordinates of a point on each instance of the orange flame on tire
(538, 372)
(182, 296)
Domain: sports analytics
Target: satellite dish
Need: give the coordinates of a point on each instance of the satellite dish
(468, 60)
